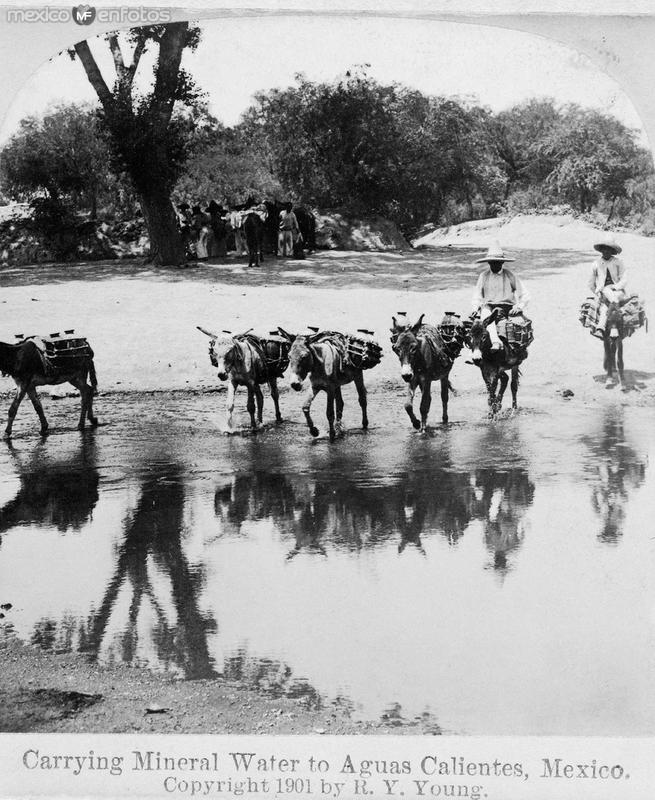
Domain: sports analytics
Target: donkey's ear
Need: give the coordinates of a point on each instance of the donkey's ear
(286, 335)
(395, 324)
(417, 324)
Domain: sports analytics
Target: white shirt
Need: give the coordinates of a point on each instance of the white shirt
(493, 288)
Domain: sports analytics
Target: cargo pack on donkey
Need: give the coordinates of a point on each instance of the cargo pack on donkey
(49, 360)
(360, 350)
(61, 354)
(633, 312)
(517, 332)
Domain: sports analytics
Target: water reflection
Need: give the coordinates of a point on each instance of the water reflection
(154, 588)
(617, 469)
(58, 494)
(503, 499)
(338, 512)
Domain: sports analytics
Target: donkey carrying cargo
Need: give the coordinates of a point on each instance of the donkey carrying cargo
(49, 360)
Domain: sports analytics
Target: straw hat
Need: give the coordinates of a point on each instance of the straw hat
(494, 253)
(610, 242)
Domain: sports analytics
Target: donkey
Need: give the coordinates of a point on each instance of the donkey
(24, 363)
(241, 360)
(613, 336)
(423, 358)
(494, 365)
(253, 229)
(321, 356)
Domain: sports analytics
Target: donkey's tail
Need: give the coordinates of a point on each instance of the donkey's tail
(93, 377)
(452, 389)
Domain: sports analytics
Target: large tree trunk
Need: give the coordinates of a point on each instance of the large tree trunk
(166, 246)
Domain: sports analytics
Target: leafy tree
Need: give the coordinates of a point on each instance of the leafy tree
(227, 165)
(594, 156)
(148, 139)
(518, 135)
(371, 148)
(63, 155)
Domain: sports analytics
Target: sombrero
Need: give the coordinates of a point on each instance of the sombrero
(608, 241)
(494, 253)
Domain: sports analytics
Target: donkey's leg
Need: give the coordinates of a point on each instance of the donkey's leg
(504, 378)
(31, 393)
(490, 377)
(93, 420)
(445, 386)
(260, 402)
(619, 361)
(307, 402)
(81, 387)
(231, 394)
(250, 405)
(330, 412)
(338, 399)
(515, 385)
(409, 403)
(426, 402)
(361, 394)
(13, 408)
(276, 398)
(609, 361)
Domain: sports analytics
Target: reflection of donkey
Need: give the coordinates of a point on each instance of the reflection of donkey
(423, 359)
(58, 494)
(24, 363)
(321, 356)
(494, 365)
(241, 359)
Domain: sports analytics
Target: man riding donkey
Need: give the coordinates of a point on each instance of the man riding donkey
(608, 280)
(498, 292)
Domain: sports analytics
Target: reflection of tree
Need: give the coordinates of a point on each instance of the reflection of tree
(153, 536)
(273, 677)
(60, 494)
(618, 469)
(502, 500)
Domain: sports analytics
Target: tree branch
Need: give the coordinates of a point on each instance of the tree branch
(94, 75)
(171, 45)
(139, 49)
(117, 54)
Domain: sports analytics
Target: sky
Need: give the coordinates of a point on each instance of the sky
(238, 57)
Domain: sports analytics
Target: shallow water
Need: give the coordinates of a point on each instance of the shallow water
(490, 577)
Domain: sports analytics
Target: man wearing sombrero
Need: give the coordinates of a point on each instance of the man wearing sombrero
(498, 287)
(608, 277)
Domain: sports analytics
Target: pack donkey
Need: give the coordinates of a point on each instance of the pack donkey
(424, 358)
(322, 357)
(27, 365)
(495, 364)
(241, 360)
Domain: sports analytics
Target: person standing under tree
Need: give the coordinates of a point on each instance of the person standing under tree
(289, 229)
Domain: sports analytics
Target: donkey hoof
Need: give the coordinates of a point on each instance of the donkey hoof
(278, 420)
(45, 431)
(333, 436)
(313, 431)
(416, 424)
(94, 422)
